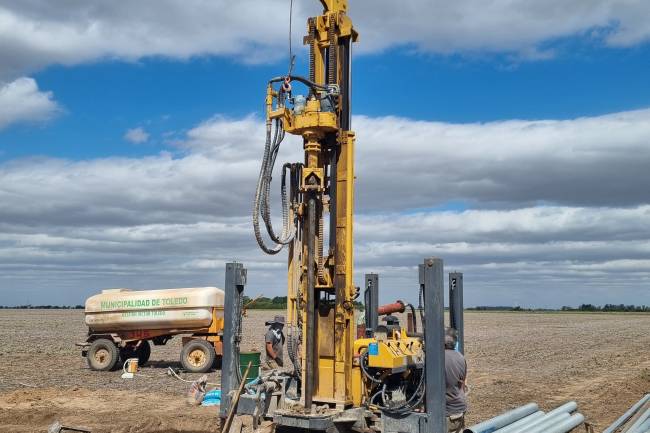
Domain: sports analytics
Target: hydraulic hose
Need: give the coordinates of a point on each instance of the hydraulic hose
(414, 321)
(362, 361)
(309, 83)
(421, 305)
(261, 202)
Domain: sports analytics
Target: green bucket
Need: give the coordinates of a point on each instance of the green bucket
(254, 359)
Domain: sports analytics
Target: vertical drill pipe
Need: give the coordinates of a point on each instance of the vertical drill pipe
(456, 307)
(231, 316)
(311, 301)
(320, 260)
(371, 296)
(434, 345)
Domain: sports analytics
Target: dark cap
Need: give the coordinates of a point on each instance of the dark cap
(277, 320)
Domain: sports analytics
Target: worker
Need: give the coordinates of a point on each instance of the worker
(456, 378)
(274, 340)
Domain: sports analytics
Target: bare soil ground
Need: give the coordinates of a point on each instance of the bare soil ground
(600, 360)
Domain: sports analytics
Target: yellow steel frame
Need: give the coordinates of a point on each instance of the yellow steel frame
(332, 329)
(397, 353)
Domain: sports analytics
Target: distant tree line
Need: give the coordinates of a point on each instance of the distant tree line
(43, 307)
(610, 308)
(264, 303)
(607, 308)
(276, 303)
(506, 308)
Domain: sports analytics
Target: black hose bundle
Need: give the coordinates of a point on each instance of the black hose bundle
(261, 203)
(294, 339)
(414, 320)
(412, 402)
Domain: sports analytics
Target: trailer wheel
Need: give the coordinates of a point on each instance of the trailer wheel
(197, 356)
(102, 355)
(143, 352)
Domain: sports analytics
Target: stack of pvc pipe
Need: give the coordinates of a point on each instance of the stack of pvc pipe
(529, 419)
(635, 420)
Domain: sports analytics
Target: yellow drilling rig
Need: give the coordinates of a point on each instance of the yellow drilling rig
(392, 378)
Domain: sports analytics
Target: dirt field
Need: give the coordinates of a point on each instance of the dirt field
(600, 360)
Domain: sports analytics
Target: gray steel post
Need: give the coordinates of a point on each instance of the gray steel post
(371, 298)
(234, 290)
(456, 307)
(434, 334)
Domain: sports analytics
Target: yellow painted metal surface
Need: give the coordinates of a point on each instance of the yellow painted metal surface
(324, 140)
(397, 353)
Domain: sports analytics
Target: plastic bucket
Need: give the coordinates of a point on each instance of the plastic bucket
(254, 359)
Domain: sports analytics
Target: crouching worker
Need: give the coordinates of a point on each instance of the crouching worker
(456, 376)
(274, 340)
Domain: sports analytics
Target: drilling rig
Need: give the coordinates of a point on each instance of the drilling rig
(390, 380)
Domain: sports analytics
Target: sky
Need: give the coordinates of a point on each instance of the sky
(510, 138)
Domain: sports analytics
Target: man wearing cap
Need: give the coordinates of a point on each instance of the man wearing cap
(274, 340)
(456, 378)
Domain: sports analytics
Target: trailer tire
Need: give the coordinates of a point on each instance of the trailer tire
(198, 356)
(102, 355)
(143, 352)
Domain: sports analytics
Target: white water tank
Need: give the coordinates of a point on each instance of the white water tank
(129, 310)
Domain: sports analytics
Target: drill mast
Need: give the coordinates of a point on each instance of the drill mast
(321, 290)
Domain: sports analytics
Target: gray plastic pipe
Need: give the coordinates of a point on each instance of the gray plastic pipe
(627, 415)
(522, 422)
(533, 424)
(568, 425)
(642, 419)
(546, 423)
(503, 420)
(564, 409)
(643, 428)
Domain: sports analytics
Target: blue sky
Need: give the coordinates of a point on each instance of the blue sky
(513, 142)
(103, 99)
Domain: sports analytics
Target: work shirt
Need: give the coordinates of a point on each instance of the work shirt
(276, 338)
(455, 374)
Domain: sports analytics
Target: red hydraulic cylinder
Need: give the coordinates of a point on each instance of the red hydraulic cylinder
(395, 307)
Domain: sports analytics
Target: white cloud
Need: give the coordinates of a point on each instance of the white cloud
(22, 101)
(37, 34)
(586, 161)
(559, 211)
(500, 25)
(136, 135)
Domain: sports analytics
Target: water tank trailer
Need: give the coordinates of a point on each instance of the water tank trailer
(123, 322)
